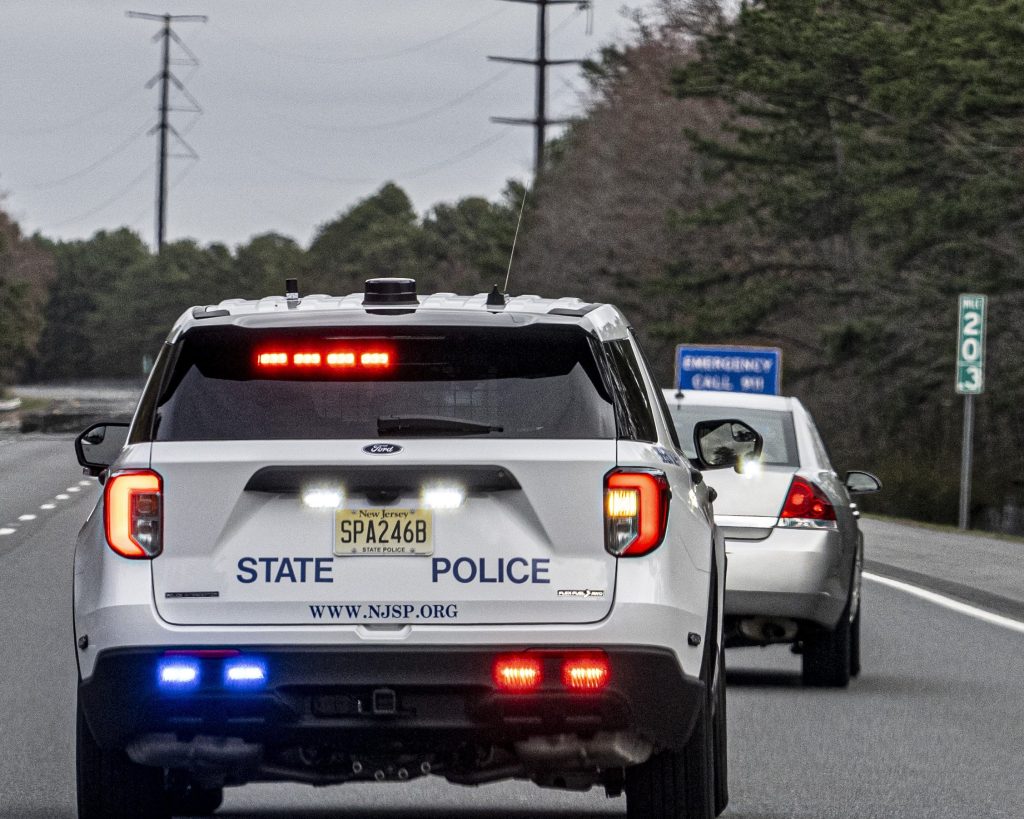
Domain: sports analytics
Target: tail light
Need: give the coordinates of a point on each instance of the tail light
(517, 674)
(586, 673)
(635, 511)
(133, 513)
(807, 507)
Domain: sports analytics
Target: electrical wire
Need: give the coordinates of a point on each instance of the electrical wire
(73, 123)
(108, 202)
(429, 112)
(119, 148)
(369, 58)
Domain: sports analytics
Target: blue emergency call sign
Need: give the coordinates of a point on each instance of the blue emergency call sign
(729, 369)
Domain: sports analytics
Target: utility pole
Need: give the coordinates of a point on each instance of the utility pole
(164, 127)
(540, 119)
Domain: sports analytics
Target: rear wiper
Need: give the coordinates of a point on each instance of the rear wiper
(426, 424)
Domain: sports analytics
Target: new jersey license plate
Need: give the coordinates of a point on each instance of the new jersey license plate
(383, 532)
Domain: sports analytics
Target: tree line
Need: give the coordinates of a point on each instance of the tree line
(824, 176)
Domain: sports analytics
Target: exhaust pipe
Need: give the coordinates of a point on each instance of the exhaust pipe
(765, 630)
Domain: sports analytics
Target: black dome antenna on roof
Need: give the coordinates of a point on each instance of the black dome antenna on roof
(291, 292)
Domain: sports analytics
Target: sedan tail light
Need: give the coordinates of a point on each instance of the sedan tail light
(133, 513)
(635, 511)
(807, 507)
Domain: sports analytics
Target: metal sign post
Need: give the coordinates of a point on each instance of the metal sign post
(970, 381)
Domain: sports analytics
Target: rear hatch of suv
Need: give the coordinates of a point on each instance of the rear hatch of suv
(384, 473)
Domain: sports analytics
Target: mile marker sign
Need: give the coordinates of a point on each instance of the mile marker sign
(970, 348)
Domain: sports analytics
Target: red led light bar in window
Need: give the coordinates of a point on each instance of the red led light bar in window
(334, 359)
(375, 359)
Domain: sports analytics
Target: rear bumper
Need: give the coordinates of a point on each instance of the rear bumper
(799, 574)
(442, 696)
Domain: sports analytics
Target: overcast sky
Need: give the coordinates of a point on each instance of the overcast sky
(308, 106)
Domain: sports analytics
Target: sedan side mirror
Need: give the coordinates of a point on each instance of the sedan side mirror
(99, 445)
(725, 443)
(861, 483)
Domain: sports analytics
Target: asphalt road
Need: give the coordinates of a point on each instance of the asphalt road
(933, 728)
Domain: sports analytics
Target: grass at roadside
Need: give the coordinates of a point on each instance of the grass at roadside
(940, 527)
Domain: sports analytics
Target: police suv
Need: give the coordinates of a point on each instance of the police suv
(383, 536)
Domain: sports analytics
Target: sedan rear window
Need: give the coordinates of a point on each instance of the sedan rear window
(235, 383)
(775, 426)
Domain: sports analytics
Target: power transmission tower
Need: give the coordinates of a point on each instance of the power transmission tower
(540, 119)
(164, 127)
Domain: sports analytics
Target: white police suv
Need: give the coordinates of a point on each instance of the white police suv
(383, 536)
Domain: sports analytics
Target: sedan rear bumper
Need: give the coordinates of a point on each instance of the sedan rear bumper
(800, 574)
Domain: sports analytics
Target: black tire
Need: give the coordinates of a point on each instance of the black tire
(684, 784)
(675, 784)
(111, 786)
(721, 746)
(855, 645)
(192, 800)
(827, 655)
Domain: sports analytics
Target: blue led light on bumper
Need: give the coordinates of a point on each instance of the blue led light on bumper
(178, 673)
(245, 672)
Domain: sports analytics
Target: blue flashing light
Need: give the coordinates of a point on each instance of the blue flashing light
(178, 673)
(245, 672)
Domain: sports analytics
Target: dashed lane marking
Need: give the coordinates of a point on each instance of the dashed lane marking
(26, 517)
(62, 496)
(948, 602)
(7, 530)
(48, 506)
(73, 489)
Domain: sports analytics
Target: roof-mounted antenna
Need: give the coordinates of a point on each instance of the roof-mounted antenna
(291, 292)
(515, 238)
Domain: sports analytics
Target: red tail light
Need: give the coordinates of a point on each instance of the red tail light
(635, 511)
(586, 673)
(806, 502)
(517, 674)
(133, 513)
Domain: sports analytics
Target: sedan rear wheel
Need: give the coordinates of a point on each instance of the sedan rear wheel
(827, 655)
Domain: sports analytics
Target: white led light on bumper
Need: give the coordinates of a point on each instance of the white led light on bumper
(322, 497)
(443, 497)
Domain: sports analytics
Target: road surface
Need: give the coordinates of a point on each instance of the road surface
(933, 728)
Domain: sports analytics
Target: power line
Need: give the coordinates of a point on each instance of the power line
(369, 58)
(412, 173)
(164, 127)
(541, 62)
(75, 121)
(108, 202)
(53, 183)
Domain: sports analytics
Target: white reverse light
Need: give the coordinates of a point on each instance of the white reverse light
(443, 497)
(322, 497)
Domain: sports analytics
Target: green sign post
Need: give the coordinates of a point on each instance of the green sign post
(970, 381)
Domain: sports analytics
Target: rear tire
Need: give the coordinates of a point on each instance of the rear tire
(675, 784)
(721, 747)
(855, 645)
(111, 786)
(827, 655)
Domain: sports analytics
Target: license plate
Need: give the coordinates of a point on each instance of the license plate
(393, 532)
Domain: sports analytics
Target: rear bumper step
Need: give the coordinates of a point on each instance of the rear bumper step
(370, 697)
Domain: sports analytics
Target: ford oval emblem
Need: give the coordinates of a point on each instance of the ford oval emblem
(381, 449)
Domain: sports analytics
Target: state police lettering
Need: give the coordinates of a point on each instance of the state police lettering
(516, 570)
(285, 570)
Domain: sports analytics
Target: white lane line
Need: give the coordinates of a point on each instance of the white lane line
(948, 602)
(85, 483)
(7, 530)
(48, 506)
(26, 517)
(73, 489)
(62, 496)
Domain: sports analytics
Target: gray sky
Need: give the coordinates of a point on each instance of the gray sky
(308, 106)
